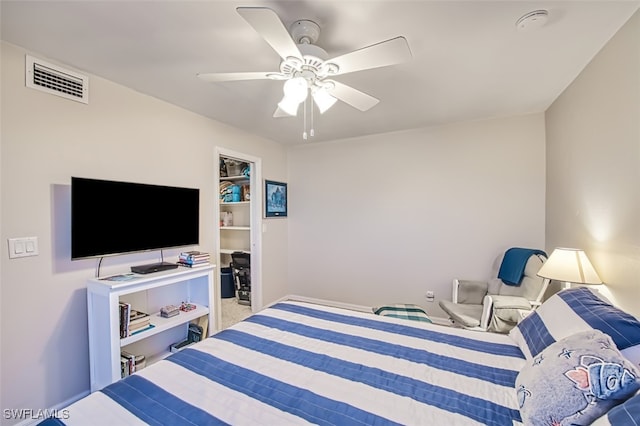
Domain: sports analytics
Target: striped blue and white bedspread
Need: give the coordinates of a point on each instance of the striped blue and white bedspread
(299, 363)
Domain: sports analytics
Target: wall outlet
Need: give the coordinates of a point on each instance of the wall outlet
(430, 296)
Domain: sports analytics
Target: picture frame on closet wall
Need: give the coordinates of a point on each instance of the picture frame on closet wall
(275, 200)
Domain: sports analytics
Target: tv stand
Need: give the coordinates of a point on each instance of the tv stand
(147, 293)
(153, 267)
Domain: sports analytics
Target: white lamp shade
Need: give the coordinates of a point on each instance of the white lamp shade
(323, 99)
(296, 89)
(569, 265)
(295, 92)
(288, 105)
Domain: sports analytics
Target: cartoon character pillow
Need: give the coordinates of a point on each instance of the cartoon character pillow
(575, 380)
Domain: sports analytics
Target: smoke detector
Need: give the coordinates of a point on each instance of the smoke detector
(532, 20)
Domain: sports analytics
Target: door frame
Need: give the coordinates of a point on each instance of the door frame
(255, 234)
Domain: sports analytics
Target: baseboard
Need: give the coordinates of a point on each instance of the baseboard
(325, 302)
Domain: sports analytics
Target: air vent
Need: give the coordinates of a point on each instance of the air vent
(50, 78)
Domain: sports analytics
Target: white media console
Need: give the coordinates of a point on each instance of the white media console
(147, 293)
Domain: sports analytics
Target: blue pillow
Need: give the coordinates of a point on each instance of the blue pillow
(571, 311)
(575, 380)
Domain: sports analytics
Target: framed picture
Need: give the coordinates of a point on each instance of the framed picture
(275, 201)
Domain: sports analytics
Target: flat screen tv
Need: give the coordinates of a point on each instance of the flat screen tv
(110, 217)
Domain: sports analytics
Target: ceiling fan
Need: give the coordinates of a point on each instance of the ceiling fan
(307, 68)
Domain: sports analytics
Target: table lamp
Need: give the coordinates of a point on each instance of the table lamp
(571, 266)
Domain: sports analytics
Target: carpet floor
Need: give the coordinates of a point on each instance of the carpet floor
(233, 312)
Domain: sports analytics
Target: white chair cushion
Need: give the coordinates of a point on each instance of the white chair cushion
(464, 314)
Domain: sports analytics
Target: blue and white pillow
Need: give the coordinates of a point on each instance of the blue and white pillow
(571, 311)
(575, 380)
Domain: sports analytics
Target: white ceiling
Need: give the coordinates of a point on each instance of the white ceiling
(469, 61)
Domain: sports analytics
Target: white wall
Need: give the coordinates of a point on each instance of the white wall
(391, 216)
(593, 166)
(120, 135)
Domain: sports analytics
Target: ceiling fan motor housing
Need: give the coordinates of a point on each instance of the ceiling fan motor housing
(305, 31)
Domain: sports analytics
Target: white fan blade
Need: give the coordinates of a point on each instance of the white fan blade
(351, 96)
(214, 77)
(389, 52)
(268, 24)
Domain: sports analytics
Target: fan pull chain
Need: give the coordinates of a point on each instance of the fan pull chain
(304, 120)
(311, 132)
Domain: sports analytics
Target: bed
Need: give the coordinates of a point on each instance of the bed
(299, 363)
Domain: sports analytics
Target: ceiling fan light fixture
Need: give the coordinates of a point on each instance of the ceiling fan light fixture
(289, 106)
(323, 99)
(296, 89)
(295, 92)
(306, 67)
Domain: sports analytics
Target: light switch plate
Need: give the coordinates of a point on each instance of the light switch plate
(23, 247)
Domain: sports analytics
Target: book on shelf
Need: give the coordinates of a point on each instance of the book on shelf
(137, 316)
(193, 261)
(132, 320)
(193, 255)
(130, 363)
(124, 366)
(140, 330)
(193, 265)
(189, 259)
(135, 327)
(127, 363)
(125, 310)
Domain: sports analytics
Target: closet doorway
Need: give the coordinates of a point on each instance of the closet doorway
(238, 210)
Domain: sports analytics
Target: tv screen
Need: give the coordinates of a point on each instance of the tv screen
(110, 217)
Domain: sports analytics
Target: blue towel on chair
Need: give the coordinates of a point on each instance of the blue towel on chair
(513, 264)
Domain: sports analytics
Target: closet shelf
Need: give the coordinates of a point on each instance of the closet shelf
(232, 203)
(229, 251)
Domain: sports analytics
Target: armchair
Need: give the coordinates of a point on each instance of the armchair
(496, 305)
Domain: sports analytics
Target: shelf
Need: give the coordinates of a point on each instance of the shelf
(193, 285)
(235, 203)
(233, 178)
(236, 228)
(162, 324)
(229, 251)
(143, 281)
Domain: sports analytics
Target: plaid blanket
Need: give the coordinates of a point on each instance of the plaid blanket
(403, 310)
